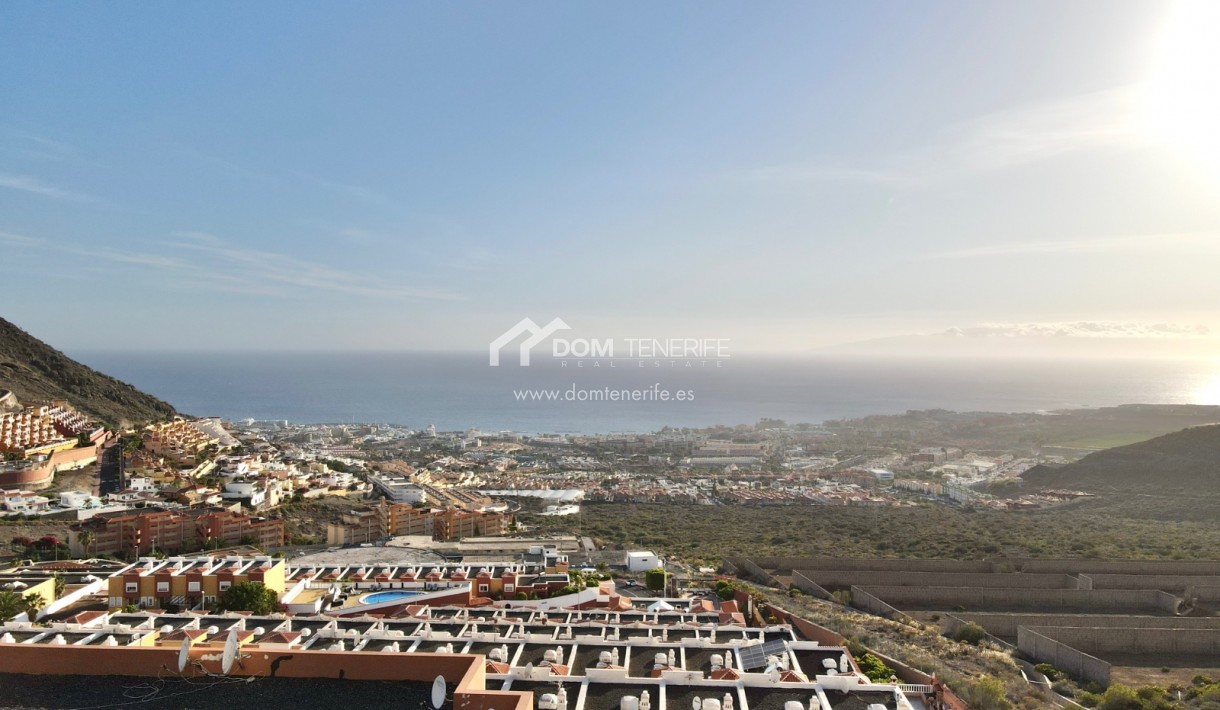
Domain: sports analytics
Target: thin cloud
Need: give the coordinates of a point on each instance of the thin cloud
(26, 143)
(1193, 242)
(288, 270)
(357, 192)
(17, 240)
(25, 183)
(1082, 329)
(229, 166)
(135, 258)
(1100, 120)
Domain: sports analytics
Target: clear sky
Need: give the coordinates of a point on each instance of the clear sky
(424, 175)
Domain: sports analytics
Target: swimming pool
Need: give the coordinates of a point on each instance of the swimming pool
(379, 597)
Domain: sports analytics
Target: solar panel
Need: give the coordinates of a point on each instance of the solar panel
(756, 656)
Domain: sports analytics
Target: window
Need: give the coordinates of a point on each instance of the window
(162, 587)
(132, 587)
(482, 587)
(192, 586)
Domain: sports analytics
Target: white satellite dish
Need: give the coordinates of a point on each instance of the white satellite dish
(438, 692)
(184, 654)
(230, 654)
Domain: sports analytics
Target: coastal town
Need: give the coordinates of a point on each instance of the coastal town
(190, 536)
(197, 484)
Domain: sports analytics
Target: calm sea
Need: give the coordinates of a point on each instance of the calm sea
(460, 390)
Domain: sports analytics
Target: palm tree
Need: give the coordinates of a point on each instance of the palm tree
(11, 604)
(86, 539)
(32, 603)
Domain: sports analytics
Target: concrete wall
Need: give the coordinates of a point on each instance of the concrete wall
(752, 570)
(1075, 566)
(1100, 641)
(808, 586)
(1166, 582)
(1205, 595)
(1043, 649)
(815, 563)
(990, 599)
(999, 564)
(870, 602)
(843, 579)
(1004, 624)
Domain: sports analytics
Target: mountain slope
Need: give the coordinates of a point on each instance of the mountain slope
(34, 371)
(1184, 463)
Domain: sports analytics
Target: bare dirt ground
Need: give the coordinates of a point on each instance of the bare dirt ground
(309, 518)
(1136, 671)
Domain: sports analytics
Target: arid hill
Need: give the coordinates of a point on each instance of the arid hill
(1185, 463)
(34, 371)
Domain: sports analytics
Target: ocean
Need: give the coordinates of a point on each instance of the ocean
(456, 391)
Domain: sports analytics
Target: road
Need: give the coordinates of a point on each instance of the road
(108, 466)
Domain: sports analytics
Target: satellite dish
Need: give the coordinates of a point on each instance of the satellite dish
(184, 654)
(438, 692)
(230, 654)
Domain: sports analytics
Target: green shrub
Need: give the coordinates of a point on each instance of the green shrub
(971, 633)
(874, 668)
(1120, 697)
(986, 693)
(1065, 687)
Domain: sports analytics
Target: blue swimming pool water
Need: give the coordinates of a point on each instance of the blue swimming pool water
(378, 597)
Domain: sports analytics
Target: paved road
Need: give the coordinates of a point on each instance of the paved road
(108, 466)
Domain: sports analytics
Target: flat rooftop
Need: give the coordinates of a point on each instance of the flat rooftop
(44, 691)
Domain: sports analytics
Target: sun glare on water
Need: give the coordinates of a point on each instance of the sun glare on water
(1183, 96)
(1208, 392)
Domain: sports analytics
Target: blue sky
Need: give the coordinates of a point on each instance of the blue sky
(790, 175)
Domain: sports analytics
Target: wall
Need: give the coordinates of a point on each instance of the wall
(812, 563)
(1073, 566)
(1099, 640)
(1167, 582)
(1003, 624)
(842, 579)
(866, 600)
(999, 564)
(1043, 600)
(33, 478)
(808, 586)
(1077, 664)
(756, 573)
(1206, 595)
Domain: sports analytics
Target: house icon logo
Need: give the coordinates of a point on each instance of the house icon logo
(537, 334)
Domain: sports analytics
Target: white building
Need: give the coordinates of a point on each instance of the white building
(74, 499)
(642, 561)
(399, 489)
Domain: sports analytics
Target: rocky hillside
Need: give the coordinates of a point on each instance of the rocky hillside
(1185, 463)
(34, 371)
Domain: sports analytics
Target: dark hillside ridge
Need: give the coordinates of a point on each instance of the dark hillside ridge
(1184, 463)
(36, 372)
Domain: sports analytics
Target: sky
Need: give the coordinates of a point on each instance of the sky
(787, 175)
